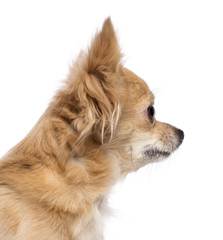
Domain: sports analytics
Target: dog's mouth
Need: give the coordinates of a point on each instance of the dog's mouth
(156, 154)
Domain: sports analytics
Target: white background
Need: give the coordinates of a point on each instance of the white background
(177, 47)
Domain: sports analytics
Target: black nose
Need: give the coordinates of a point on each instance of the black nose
(180, 133)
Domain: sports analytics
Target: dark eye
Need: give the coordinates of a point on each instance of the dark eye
(151, 112)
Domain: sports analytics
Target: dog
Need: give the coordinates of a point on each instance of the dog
(99, 127)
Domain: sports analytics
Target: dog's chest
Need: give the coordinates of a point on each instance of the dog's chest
(91, 226)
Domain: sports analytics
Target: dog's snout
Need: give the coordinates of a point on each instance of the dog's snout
(180, 134)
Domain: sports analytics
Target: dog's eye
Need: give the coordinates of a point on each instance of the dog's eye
(151, 112)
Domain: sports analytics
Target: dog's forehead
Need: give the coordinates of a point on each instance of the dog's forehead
(138, 89)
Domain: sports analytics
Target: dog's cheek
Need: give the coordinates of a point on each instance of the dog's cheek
(136, 149)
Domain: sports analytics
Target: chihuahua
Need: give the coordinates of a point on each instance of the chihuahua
(98, 128)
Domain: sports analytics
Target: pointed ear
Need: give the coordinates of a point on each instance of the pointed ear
(104, 53)
(98, 87)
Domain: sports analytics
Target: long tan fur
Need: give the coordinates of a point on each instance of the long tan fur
(54, 183)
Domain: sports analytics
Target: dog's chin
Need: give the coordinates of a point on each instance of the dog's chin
(155, 154)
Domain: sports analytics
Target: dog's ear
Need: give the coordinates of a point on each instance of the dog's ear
(104, 54)
(98, 86)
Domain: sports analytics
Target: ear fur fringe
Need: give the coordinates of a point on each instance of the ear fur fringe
(95, 80)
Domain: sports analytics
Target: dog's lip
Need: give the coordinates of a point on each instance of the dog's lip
(162, 153)
(157, 153)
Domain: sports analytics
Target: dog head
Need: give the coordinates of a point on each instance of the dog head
(113, 108)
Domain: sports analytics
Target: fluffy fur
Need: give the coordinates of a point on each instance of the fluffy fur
(97, 129)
